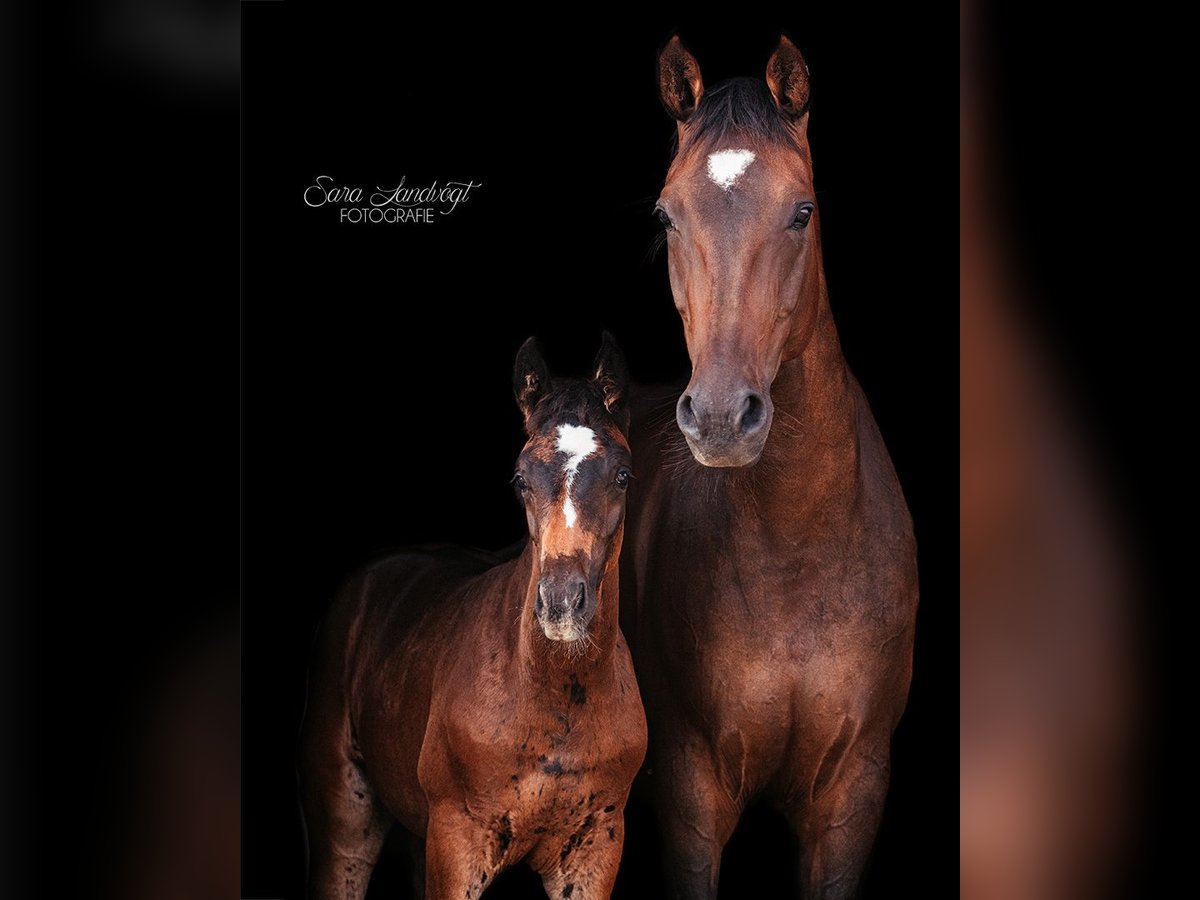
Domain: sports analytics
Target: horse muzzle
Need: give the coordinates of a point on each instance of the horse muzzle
(725, 426)
(564, 606)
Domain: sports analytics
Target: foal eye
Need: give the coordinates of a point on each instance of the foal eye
(661, 215)
(803, 213)
(623, 476)
(520, 483)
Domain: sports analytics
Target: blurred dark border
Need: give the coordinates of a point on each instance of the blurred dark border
(1084, 117)
(125, 317)
(13, 448)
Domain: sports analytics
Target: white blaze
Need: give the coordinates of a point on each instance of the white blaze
(725, 167)
(578, 443)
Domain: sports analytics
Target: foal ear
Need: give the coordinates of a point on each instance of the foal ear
(531, 377)
(679, 82)
(612, 377)
(787, 77)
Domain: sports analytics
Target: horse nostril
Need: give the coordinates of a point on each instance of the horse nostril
(686, 416)
(538, 605)
(579, 598)
(754, 414)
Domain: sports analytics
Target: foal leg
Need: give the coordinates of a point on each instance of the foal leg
(345, 825)
(697, 815)
(463, 855)
(836, 824)
(586, 866)
(345, 834)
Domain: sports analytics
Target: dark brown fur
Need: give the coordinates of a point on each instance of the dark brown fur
(437, 700)
(770, 595)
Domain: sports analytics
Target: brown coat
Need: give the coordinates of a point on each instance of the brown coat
(489, 709)
(770, 583)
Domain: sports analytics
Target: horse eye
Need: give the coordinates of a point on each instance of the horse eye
(661, 215)
(623, 476)
(521, 484)
(803, 214)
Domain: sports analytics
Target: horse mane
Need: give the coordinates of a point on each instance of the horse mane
(736, 107)
(570, 401)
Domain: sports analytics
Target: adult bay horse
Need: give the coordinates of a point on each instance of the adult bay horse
(492, 711)
(771, 582)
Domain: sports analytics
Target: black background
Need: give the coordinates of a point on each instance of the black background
(376, 407)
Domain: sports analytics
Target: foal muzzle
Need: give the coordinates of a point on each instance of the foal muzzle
(564, 606)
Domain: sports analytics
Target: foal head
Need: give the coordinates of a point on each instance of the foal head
(743, 243)
(571, 478)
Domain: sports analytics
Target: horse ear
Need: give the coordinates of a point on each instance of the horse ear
(531, 377)
(679, 82)
(787, 77)
(612, 377)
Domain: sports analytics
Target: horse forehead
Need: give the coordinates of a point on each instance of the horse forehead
(576, 442)
(740, 172)
(752, 191)
(568, 446)
(726, 167)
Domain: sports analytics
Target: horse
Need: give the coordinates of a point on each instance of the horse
(491, 710)
(769, 588)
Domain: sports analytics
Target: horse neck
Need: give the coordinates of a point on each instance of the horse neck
(542, 661)
(813, 447)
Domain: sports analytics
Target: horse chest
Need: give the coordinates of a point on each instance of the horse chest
(741, 622)
(552, 777)
(534, 754)
(739, 573)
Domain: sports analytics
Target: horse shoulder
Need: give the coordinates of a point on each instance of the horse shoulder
(624, 714)
(472, 706)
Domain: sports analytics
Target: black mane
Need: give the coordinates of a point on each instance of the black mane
(741, 107)
(571, 401)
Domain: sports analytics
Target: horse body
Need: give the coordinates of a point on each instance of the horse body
(773, 631)
(440, 701)
(770, 583)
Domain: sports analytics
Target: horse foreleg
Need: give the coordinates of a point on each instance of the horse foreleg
(586, 866)
(836, 825)
(461, 855)
(697, 817)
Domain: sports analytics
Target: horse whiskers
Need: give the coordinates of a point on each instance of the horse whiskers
(576, 649)
(676, 451)
(655, 245)
(677, 463)
(660, 416)
(573, 650)
(793, 424)
(591, 644)
(665, 403)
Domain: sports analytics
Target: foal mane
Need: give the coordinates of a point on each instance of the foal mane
(571, 401)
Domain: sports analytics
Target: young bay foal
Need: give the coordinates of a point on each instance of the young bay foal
(771, 579)
(492, 712)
